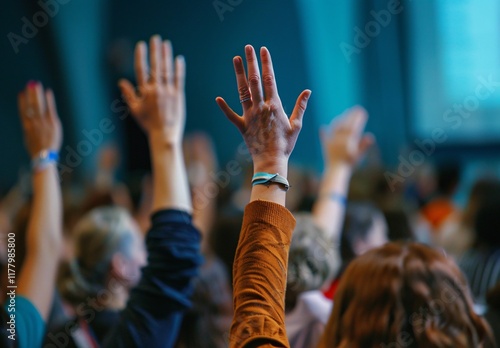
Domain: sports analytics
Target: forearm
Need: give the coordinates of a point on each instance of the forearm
(43, 241)
(45, 223)
(204, 212)
(260, 276)
(170, 184)
(329, 208)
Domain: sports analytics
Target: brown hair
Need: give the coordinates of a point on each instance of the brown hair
(404, 295)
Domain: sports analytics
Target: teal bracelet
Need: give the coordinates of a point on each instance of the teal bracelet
(267, 179)
(44, 159)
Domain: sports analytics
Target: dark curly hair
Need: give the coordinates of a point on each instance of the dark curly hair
(404, 295)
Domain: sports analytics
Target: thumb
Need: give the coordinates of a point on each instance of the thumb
(300, 109)
(128, 92)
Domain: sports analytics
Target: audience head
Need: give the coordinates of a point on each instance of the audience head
(448, 177)
(311, 261)
(398, 225)
(364, 228)
(481, 191)
(107, 246)
(487, 222)
(404, 295)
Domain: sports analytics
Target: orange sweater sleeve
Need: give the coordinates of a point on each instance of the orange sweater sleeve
(259, 274)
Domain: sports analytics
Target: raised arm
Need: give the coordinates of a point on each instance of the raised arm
(343, 145)
(201, 162)
(43, 136)
(153, 314)
(261, 258)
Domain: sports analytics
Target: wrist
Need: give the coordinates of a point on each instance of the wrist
(43, 159)
(274, 166)
(336, 178)
(158, 142)
(339, 166)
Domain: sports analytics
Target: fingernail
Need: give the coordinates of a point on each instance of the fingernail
(32, 84)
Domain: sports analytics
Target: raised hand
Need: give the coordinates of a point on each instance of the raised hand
(268, 132)
(344, 142)
(158, 103)
(43, 137)
(41, 124)
(343, 145)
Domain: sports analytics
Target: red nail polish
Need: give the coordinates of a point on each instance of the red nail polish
(32, 84)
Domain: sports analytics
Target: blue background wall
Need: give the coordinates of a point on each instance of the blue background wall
(87, 46)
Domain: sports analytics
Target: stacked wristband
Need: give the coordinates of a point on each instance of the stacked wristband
(44, 159)
(268, 179)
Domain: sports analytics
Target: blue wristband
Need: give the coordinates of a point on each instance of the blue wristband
(44, 159)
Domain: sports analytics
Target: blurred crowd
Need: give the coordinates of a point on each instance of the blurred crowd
(341, 214)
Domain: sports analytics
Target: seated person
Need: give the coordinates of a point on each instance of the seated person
(109, 252)
(364, 229)
(314, 252)
(260, 267)
(154, 311)
(404, 295)
(481, 263)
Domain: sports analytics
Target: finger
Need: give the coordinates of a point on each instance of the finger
(141, 65)
(31, 108)
(180, 72)
(128, 91)
(358, 119)
(366, 142)
(299, 109)
(230, 114)
(253, 74)
(155, 57)
(268, 79)
(40, 100)
(242, 82)
(167, 62)
(51, 106)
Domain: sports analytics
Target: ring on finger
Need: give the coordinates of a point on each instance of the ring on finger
(245, 99)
